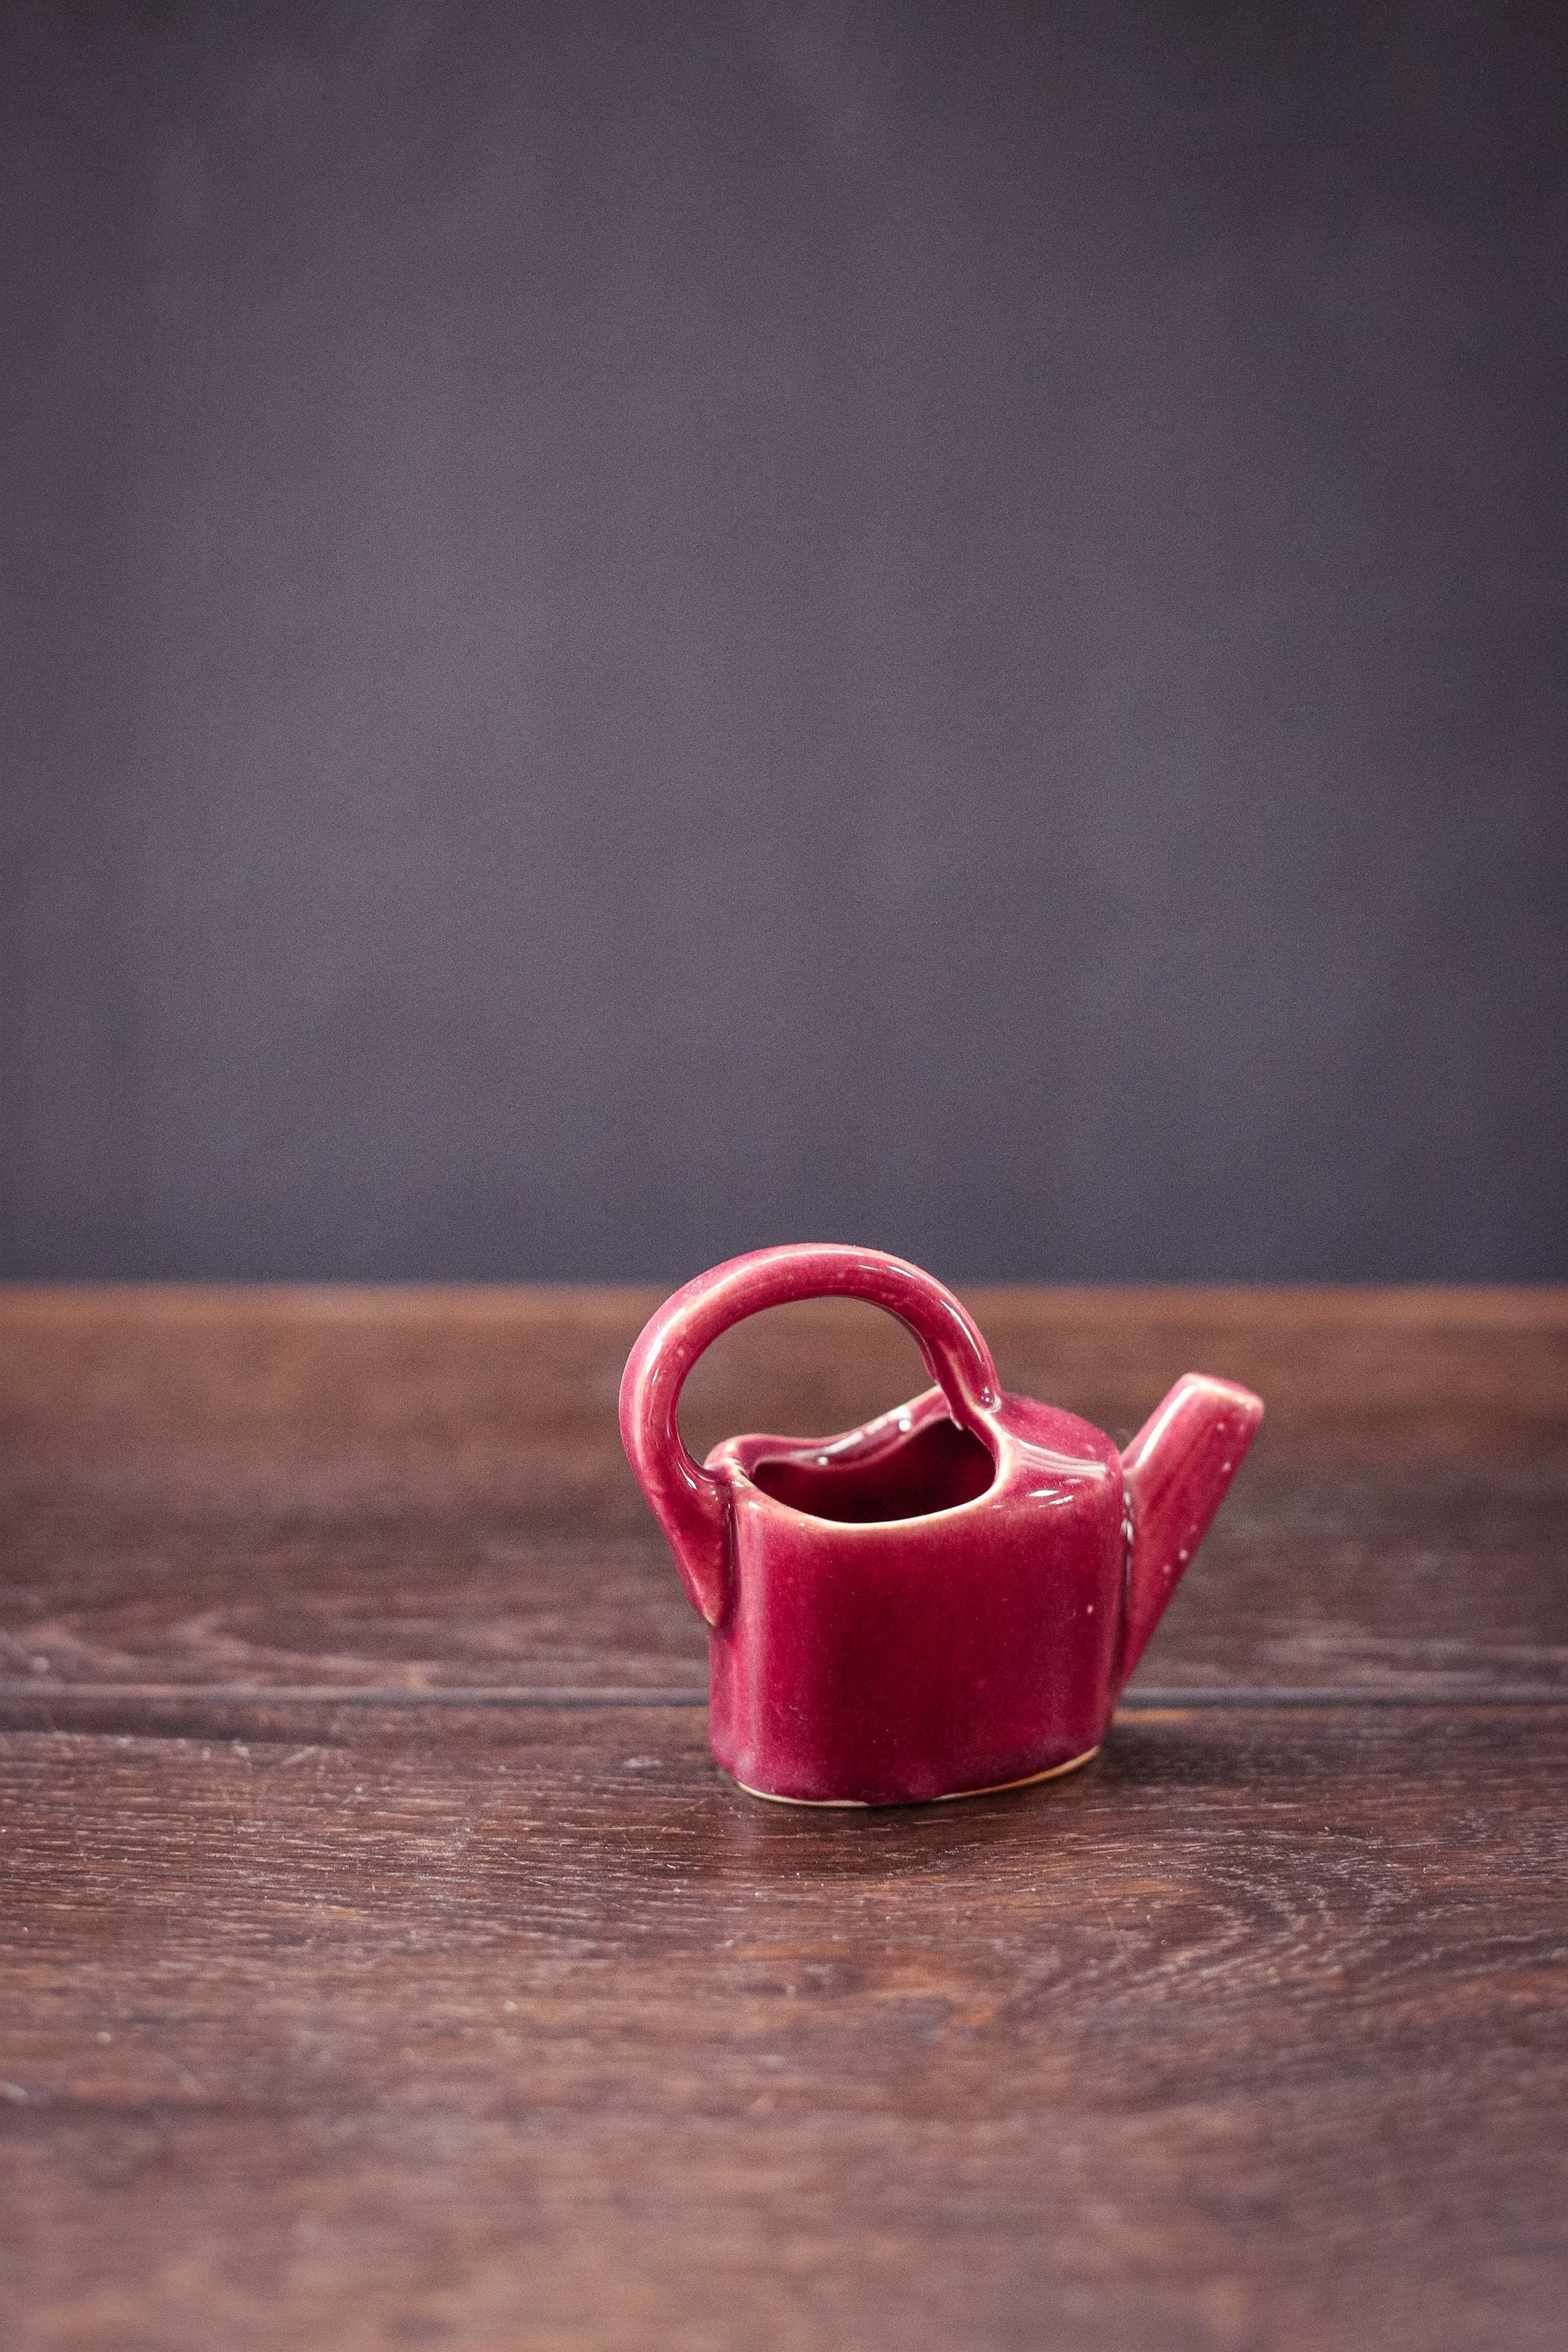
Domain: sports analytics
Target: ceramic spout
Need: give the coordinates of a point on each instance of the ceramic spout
(1176, 1470)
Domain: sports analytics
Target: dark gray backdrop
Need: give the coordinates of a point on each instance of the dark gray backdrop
(637, 629)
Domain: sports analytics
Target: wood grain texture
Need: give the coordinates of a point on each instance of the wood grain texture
(1442, 1576)
(418, 1489)
(518, 1385)
(334, 2024)
(1255, 2033)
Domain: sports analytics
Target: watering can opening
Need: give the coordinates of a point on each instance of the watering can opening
(859, 1482)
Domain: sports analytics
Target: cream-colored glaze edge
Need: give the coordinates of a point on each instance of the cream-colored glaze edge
(949, 1797)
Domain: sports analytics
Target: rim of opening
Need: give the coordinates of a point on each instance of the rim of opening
(995, 1448)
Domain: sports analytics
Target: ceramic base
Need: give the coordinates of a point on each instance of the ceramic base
(948, 1797)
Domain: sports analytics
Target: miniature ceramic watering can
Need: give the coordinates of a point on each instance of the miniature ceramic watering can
(945, 1602)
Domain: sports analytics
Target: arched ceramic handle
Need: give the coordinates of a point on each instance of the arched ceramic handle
(691, 1505)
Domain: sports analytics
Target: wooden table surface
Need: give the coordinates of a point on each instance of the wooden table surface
(387, 1963)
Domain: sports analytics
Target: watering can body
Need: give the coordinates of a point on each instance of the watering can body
(943, 1602)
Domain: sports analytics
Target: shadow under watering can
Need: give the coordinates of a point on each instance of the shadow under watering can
(945, 1602)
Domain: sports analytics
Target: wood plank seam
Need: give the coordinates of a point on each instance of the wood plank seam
(1303, 1697)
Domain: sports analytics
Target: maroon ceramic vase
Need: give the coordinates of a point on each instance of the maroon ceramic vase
(945, 1602)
